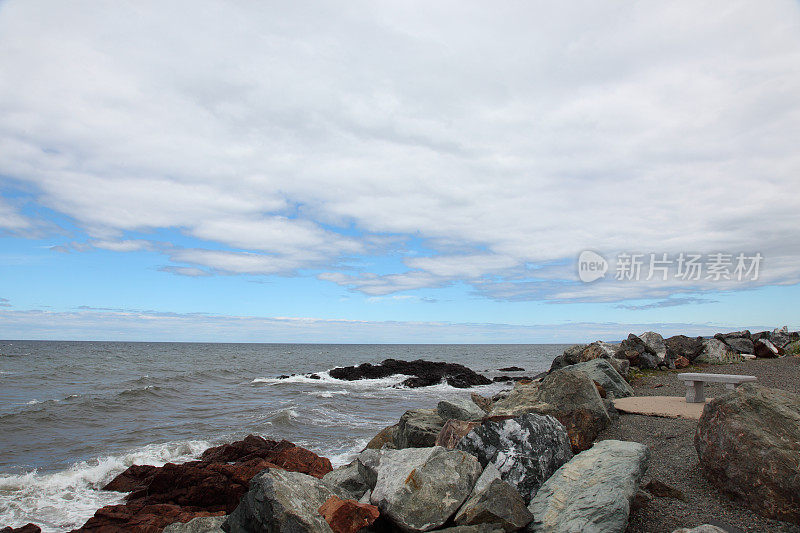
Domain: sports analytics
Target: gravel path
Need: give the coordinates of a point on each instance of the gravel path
(674, 461)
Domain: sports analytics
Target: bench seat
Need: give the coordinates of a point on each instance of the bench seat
(694, 383)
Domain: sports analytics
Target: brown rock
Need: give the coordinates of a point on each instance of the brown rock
(387, 437)
(211, 486)
(482, 401)
(682, 362)
(662, 490)
(600, 389)
(27, 528)
(453, 431)
(348, 516)
(765, 349)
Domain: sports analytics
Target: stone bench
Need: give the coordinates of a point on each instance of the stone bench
(694, 383)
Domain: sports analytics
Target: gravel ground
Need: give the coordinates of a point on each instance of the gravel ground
(673, 459)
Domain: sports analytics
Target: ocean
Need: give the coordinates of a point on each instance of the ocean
(75, 414)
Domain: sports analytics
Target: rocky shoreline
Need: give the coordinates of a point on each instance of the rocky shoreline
(551, 454)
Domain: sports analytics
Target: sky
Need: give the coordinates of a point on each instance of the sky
(409, 172)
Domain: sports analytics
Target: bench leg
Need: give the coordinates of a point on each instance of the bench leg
(694, 392)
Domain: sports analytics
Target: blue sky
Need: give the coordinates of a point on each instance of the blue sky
(393, 173)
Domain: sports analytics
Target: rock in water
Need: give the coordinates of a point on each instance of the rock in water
(498, 504)
(281, 501)
(27, 528)
(748, 442)
(604, 373)
(526, 450)
(459, 409)
(203, 524)
(348, 516)
(718, 353)
(424, 373)
(592, 493)
(453, 431)
(420, 489)
(418, 428)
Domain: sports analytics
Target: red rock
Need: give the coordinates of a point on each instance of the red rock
(348, 516)
(682, 362)
(27, 528)
(600, 389)
(453, 431)
(211, 486)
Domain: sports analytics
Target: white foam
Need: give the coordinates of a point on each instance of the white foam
(327, 393)
(64, 500)
(325, 379)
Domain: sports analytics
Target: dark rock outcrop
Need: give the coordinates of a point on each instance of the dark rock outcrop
(27, 528)
(748, 442)
(424, 373)
(511, 369)
(210, 486)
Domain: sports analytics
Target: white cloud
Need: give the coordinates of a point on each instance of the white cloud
(504, 136)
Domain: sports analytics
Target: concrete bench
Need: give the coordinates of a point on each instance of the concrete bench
(694, 383)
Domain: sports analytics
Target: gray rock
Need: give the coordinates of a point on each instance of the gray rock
(281, 501)
(740, 345)
(419, 428)
(370, 460)
(419, 489)
(580, 353)
(647, 361)
(349, 482)
(631, 348)
(459, 409)
(498, 504)
(780, 337)
(748, 443)
(593, 492)
(489, 474)
(765, 349)
(202, 524)
(656, 343)
(705, 528)
(526, 450)
(603, 372)
(717, 352)
(386, 438)
(481, 528)
(366, 497)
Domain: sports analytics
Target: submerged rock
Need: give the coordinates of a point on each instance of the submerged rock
(525, 450)
(418, 428)
(420, 489)
(592, 492)
(281, 501)
(748, 442)
(424, 373)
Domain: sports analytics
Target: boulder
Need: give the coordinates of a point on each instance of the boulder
(765, 349)
(526, 450)
(349, 481)
(593, 491)
(420, 489)
(348, 516)
(717, 352)
(511, 369)
(418, 428)
(748, 442)
(210, 486)
(740, 344)
(453, 431)
(459, 409)
(780, 337)
(682, 362)
(683, 346)
(499, 504)
(647, 361)
(631, 348)
(793, 348)
(580, 353)
(27, 528)
(386, 438)
(656, 343)
(424, 373)
(281, 501)
(704, 528)
(569, 395)
(489, 474)
(481, 401)
(203, 524)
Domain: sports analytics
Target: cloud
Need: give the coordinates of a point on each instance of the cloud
(147, 325)
(191, 272)
(500, 140)
(669, 302)
(4, 302)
